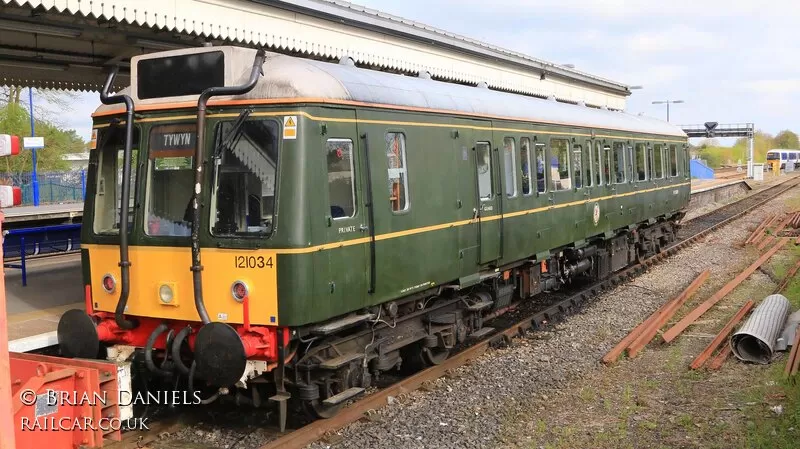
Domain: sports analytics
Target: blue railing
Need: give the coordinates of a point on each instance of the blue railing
(19, 245)
(54, 187)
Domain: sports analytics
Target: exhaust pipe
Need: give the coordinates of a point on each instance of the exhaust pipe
(124, 262)
(196, 267)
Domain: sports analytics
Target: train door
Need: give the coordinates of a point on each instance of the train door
(489, 198)
(347, 219)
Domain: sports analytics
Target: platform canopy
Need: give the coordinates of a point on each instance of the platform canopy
(69, 44)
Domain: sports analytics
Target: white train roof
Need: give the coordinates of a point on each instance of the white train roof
(291, 78)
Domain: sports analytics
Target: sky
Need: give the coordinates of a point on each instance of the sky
(730, 61)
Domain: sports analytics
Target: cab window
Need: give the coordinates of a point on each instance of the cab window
(108, 190)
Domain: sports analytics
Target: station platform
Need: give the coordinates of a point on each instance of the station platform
(33, 312)
(61, 213)
(702, 185)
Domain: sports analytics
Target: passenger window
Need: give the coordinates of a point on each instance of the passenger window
(673, 161)
(525, 164)
(341, 188)
(641, 162)
(608, 165)
(559, 165)
(398, 176)
(541, 185)
(619, 163)
(484, 154)
(658, 162)
(510, 166)
(587, 166)
(598, 165)
(577, 165)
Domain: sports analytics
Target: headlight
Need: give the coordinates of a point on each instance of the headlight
(165, 293)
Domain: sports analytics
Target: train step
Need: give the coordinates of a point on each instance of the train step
(343, 396)
(478, 306)
(337, 325)
(340, 361)
(482, 332)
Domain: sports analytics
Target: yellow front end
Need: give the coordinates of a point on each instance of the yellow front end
(153, 267)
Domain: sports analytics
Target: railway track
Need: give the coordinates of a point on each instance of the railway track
(527, 316)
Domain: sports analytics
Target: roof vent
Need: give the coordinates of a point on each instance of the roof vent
(552, 98)
(348, 61)
(424, 74)
(604, 107)
(482, 85)
(582, 103)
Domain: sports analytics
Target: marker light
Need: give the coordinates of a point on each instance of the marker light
(109, 283)
(165, 293)
(239, 291)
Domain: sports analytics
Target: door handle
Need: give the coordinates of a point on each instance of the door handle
(474, 213)
(363, 227)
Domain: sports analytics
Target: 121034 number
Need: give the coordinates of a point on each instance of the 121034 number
(253, 262)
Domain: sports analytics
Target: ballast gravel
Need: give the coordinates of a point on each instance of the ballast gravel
(468, 409)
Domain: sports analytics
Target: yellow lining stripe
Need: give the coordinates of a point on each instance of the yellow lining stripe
(453, 224)
(390, 122)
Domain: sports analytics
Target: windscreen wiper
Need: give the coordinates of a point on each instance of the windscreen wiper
(227, 142)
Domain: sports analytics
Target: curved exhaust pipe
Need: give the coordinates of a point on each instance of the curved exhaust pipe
(196, 267)
(124, 262)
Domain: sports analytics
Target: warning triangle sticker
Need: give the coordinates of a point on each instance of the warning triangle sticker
(289, 122)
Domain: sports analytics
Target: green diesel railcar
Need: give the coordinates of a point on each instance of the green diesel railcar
(349, 221)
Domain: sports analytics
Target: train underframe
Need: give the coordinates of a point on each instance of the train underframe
(325, 365)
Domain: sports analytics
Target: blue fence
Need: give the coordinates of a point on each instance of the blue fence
(54, 187)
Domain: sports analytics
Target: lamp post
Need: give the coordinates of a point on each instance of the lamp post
(33, 154)
(667, 102)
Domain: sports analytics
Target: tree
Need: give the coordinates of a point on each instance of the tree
(15, 119)
(786, 139)
(49, 104)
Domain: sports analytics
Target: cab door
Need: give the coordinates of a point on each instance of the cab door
(489, 213)
(346, 220)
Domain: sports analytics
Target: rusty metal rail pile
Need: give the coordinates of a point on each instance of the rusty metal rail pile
(794, 356)
(773, 227)
(690, 233)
